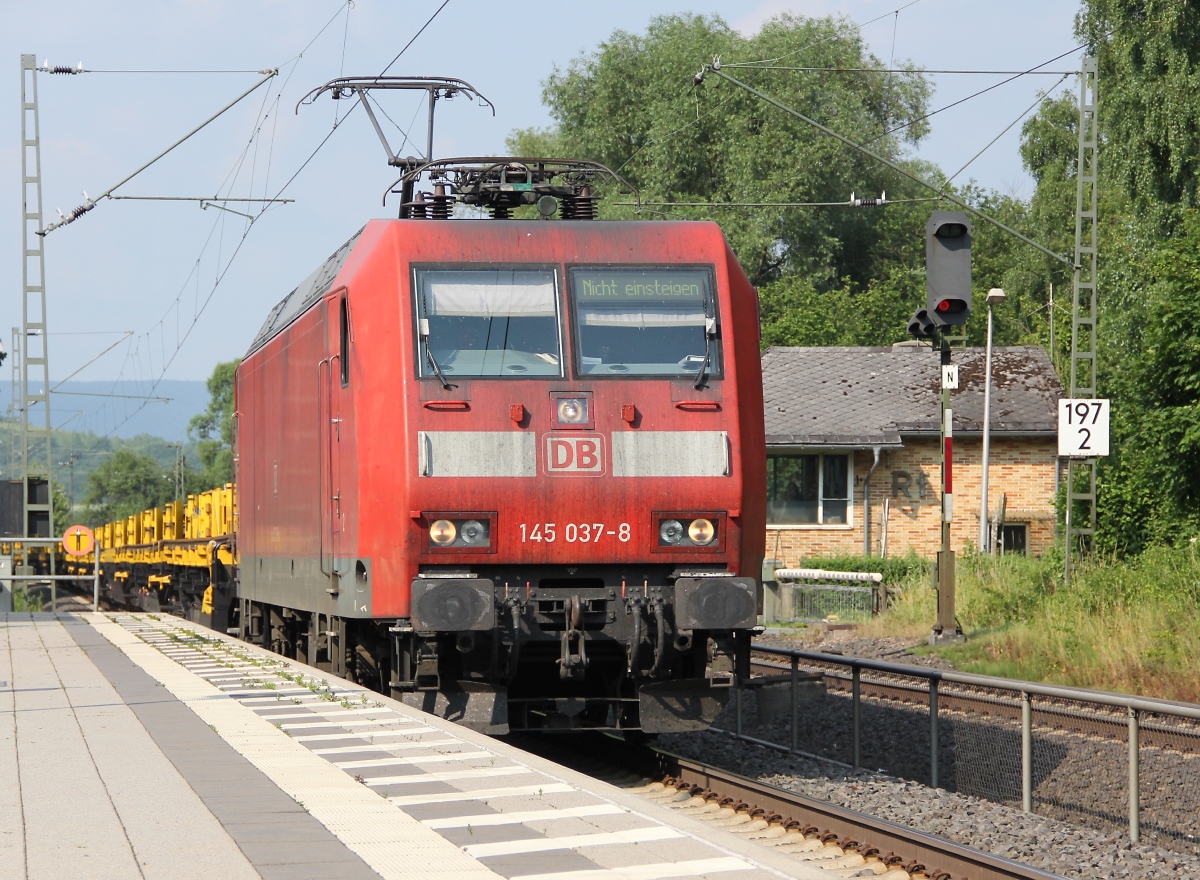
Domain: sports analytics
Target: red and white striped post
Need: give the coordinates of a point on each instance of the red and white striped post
(946, 629)
(948, 466)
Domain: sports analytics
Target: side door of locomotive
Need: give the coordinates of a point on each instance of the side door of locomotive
(333, 375)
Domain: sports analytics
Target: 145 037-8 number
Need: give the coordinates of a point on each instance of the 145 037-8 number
(573, 533)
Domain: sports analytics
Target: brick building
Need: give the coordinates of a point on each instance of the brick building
(853, 450)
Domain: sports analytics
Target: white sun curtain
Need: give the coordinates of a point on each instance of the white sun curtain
(490, 298)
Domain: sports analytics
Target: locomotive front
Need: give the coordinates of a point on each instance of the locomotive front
(584, 473)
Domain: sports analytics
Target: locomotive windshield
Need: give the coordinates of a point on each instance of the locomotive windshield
(488, 322)
(645, 322)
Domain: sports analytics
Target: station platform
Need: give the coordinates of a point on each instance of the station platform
(142, 746)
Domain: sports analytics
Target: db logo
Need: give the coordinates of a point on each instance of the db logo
(579, 454)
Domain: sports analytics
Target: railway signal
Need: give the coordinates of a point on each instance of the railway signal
(948, 268)
(921, 325)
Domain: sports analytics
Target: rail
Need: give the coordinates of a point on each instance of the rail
(921, 849)
(1065, 736)
(779, 815)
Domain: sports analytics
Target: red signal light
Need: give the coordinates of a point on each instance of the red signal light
(951, 306)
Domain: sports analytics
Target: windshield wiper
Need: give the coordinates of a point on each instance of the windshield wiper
(710, 332)
(424, 330)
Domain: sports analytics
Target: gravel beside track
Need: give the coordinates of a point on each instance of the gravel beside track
(1038, 840)
(1035, 840)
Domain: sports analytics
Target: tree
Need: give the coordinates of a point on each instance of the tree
(1152, 481)
(632, 105)
(1148, 57)
(126, 483)
(61, 505)
(213, 429)
(1148, 343)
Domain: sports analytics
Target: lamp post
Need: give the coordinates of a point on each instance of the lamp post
(995, 296)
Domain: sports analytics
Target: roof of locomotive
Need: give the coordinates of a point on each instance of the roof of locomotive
(310, 291)
(304, 295)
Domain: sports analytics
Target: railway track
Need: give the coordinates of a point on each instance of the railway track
(842, 841)
(982, 703)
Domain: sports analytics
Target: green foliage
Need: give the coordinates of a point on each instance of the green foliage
(1148, 55)
(1151, 482)
(827, 275)
(126, 483)
(841, 276)
(794, 312)
(61, 505)
(1123, 624)
(533, 143)
(212, 430)
(632, 105)
(77, 454)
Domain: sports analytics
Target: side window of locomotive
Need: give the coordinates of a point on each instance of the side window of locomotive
(488, 322)
(656, 321)
(344, 348)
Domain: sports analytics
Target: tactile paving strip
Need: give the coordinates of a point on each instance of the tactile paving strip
(411, 794)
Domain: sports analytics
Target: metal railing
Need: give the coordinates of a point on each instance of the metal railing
(1090, 757)
(53, 579)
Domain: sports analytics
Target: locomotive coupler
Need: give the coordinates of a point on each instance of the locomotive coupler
(721, 664)
(428, 677)
(572, 663)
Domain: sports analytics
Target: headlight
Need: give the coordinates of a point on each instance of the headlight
(572, 410)
(701, 531)
(671, 531)
(442, 532)
(473, 532)
(683, 530)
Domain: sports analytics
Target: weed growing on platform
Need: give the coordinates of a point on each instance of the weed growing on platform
(22, 601)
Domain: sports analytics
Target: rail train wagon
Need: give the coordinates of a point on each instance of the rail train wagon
(179, 558)
(511, 471)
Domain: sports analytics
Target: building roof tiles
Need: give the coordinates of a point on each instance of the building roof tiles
(860, 396)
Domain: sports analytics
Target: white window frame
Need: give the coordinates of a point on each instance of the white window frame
(850, 502)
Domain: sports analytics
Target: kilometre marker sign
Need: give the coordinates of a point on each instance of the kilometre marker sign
(1083, 428)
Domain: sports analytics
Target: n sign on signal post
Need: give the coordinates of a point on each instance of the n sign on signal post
(1083, 428)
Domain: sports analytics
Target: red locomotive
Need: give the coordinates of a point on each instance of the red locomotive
(510, 470)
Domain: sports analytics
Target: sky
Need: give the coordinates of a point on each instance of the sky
(170, 289)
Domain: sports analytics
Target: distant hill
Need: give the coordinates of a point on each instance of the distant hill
(103, 414)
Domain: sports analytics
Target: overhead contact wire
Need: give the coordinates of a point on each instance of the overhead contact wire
(436, 12)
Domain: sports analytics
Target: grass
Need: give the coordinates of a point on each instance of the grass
(1128, 625)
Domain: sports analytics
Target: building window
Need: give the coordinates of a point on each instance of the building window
(808, 489)
(1014, 538)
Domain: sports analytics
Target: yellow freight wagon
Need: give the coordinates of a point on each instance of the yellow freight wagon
(179, 558)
